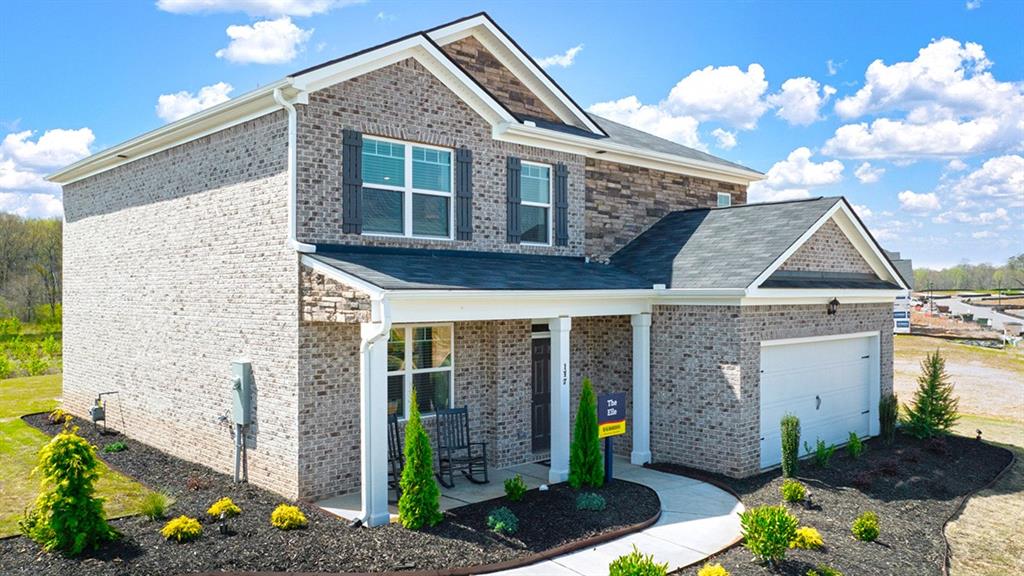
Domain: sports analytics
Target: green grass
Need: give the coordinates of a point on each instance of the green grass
(20, 443)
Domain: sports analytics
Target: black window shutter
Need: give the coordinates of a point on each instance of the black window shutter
(561, 205)
(464, 194)
(351, 181)
(513, 182)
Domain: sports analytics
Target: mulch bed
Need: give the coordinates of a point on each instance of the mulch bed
(914, 486)
(547, 520)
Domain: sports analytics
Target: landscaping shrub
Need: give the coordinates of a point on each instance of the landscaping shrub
(865, 527)
(586, 466)
(888, 415)
(182, 529)
(822, 453)
(287, 517)
(934, 409)
(154, 505)
(50, 346)
(636, 564)
(790, 445)
(503, 521)
(58, 416)
(767, 531)
(793, 491)
(824, 570)
(515, 488)
(10, 326)
(118, 446)
(419, 505)
(807, 538)
(67, 516)
(713, 570)
(6, 366)
(590, 501)
(854, 447)
(226, 507)
(35, 365)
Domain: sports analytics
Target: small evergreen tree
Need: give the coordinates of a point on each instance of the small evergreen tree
(419, 504)
(586, 466)
(934, 410)
(790, 426)
(888, 414)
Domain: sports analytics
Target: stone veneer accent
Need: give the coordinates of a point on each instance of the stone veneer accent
(623, 201)
(828, 250)
(175, 265)
(487, 70)
(327, 300)
(705, 375)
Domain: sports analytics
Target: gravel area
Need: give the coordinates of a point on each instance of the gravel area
(547, 520)
(913, 486)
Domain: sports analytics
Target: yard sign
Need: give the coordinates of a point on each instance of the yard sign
(611, 414)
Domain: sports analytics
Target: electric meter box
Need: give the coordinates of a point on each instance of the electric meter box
(241, 392)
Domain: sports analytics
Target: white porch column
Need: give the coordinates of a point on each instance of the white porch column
(373, 427)
(560, 396)
(641, 388)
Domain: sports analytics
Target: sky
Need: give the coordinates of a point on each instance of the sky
(913, 111)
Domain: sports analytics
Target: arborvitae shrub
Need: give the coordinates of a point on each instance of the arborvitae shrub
(790, 425)
(586, 466)
(888, 415)
(419, 505)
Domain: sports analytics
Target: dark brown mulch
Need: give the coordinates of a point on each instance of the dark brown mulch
(913, 486)
(547, 520)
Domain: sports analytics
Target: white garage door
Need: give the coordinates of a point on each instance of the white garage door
(831, 384)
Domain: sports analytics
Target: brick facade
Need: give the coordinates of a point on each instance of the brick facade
(623, 201)
(828, 250)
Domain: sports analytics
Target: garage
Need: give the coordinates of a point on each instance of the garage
(831, 383)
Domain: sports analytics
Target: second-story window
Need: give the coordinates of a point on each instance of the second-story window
(535, 204)
(407, 189)
(724, 199)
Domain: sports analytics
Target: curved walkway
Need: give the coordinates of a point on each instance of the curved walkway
(697, 520)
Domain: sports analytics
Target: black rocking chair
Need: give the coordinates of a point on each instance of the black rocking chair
(396, 457)
(455, 451)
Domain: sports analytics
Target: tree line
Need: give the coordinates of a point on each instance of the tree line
(30, 268)
(973, 276)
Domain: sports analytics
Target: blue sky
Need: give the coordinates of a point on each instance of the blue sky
(914, 111)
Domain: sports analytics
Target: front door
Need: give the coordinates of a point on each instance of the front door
(540, 380)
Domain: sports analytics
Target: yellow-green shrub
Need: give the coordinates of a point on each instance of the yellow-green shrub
(865, 527)
(182, 529)
(287, 517)
(224, 506)
(58, 416)
(793, 491)
(713, 570)
(807, 538)
(636, 564)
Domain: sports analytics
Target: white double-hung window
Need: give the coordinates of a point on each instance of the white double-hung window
(535, 203)
(420, 358)
(407, 189)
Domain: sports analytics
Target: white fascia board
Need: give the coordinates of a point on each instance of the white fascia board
(604, 149)
(511, 57)
(214, 119)
(374, 291)
(850, 225)
(425, 53)
(769, 296)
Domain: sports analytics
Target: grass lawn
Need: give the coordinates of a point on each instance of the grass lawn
(20, 443)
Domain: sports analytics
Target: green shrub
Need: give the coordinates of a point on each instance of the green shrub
(934, 409)
(515, 488)
(767, 531)
(790, 445)
(67, 516)
(807, 538)
(793, 491)
(854, 447)
(636, 564)
(287, 517)
(50, 346)
(865, 527)
(6, 366)
(58, 416)
(822, 453)
(824, 570)
(503, 521)
(888, 415)
(10, 326)
(154, 505)
(182, 529)
(419, 505)
(35, 365)
(590, 501)
(586, 466)
(118, 446)
(713, 570)
(224, 506)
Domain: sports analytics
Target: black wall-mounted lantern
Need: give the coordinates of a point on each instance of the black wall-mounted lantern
(833, 305)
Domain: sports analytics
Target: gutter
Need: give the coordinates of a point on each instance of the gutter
(289, 106)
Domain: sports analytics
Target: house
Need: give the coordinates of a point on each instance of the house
(901, 305)
(436, 213)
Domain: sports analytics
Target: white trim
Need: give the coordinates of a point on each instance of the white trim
(829, 337)
(407, 373)
(349, 280)
(718, 199)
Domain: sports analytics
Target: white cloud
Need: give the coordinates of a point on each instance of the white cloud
(833, 67)
(724, 139)
(171, 107)
(653, 119)
(800, 100)
(54, 149)
(973, 4)
(254, 7)
(726, 93)
(868, 174)
(265, 42)
(793, 177)
(35, 205)
(563, 60)
(999, 178)
(914, 202)
(885, 138)
(983, 234)
(979, 218)
(956, 165)
(863, 211)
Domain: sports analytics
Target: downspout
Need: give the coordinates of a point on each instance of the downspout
(292, 180)
(367, 366)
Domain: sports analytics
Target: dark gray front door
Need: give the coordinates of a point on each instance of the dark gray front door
(540, 380)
